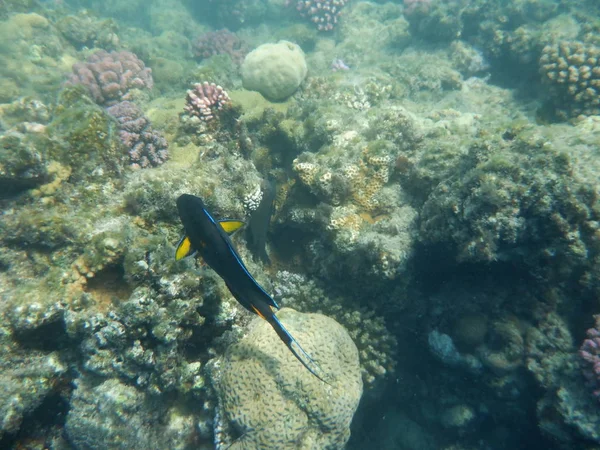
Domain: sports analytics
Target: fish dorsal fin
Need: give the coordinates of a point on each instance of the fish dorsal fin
(184, 248)
(231, 226)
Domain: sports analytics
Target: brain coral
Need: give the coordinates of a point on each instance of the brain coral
(274, 70)
(271, 401)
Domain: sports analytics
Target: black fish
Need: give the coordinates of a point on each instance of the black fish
(210, 239)
(258, 226)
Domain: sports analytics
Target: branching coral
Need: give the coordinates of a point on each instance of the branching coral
(572, 72)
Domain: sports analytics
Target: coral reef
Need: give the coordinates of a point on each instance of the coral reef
(85, 30)
(572, 72)
(323, 14)
(129, 419)
(376, 345)
(590, 353)
(534, 200)
(22, 165)
(109, 77)
(28, 377)
(294, 408)
(426, 201)
(35, 55)
(274, 70)
(510, 35)
(147, 147)
(567, 411)
(220, 42)
(205, 100)
(85, 137)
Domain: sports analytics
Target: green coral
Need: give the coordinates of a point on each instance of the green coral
(86, 137)
(530, 198)
(23, 162)
(85, 30)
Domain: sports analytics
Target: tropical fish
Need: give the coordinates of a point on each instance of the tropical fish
(258, 225)
(210, 239)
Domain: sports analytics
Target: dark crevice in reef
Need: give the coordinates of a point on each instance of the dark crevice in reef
(48, 337)
(42, 425)
(436, 265)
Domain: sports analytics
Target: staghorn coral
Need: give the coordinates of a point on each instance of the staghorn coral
(571, 71)
(265, 394)
(147, 147)
(205, 100)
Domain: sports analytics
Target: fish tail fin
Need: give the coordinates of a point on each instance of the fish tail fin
(296, 349)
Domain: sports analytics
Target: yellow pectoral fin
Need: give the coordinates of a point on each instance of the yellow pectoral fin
(184, 248)
(258, 312)
(231, 226)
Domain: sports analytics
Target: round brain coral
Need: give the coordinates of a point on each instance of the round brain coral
(269, 399)
(274, 70)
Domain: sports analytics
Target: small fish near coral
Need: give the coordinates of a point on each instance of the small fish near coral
(210, 239)
(258, 226)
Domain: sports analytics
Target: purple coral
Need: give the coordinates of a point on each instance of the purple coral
(205, 100)
(323, 13)
(221, 42)
(147, 147)
(410, 6)
(590, 354)
(110, 76)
